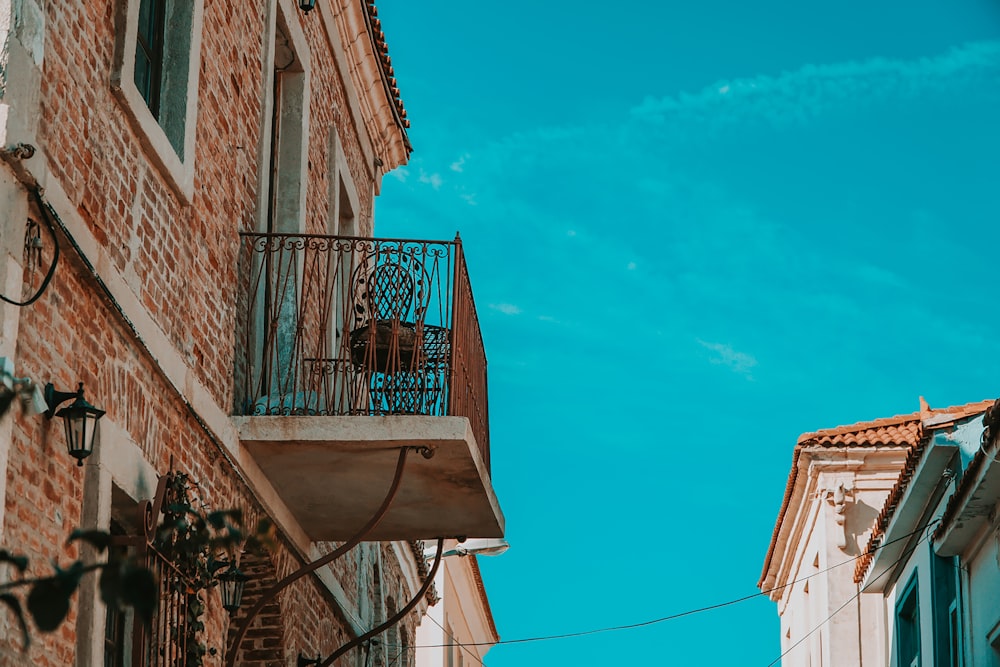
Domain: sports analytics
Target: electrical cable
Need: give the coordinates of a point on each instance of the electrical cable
(854, 597)
(465, 647)
(43, 207)
(689, 612)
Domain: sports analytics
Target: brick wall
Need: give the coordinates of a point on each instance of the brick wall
(179, 260)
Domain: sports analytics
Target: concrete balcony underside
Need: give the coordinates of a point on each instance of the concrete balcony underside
(333, 473)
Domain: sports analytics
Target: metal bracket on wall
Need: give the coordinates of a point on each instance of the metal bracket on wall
(273, 591)
(397, 617)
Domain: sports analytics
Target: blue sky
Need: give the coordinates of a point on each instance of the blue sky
(695, 231)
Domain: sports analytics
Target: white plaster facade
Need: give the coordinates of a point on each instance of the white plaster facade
(833, 502)
(458, 630)
(916, 581)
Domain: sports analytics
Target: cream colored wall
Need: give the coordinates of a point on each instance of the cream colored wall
(981, 592)
(821, 613)
(459, 623)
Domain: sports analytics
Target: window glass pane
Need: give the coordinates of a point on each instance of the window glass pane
(944, 610)
(149, 53)
(142, 72)
(146, 21)
(908, 626)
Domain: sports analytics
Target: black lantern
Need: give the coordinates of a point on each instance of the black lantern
(307, 5)
(80, 418)
(231, 583)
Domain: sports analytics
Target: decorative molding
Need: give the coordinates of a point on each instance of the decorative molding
(837, 498)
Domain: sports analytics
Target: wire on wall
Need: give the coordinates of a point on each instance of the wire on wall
(31, 248)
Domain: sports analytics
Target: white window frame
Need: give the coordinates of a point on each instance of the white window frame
(177, 169)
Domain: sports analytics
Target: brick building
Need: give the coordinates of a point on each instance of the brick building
(205, 173)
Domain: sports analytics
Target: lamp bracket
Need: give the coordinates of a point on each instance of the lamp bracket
(53, 398)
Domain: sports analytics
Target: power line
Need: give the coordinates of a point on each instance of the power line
(860, 591)
(465, 647)
(689, 612)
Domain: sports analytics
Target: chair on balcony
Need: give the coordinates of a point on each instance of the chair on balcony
(404, 359)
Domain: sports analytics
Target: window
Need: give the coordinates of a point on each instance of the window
(155, 79)
(946, 619)
(993, 639)
(289, 131)
(908, 626)
(449, 638)
(116, 623)
(149, 52)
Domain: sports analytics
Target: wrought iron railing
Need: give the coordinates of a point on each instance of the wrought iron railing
(336, 325)
(164, 642)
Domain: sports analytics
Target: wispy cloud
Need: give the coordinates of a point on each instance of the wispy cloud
(459, 164)
(809, 91)
(433, 179)
(506, 308)
(739, 362)
(745, 232)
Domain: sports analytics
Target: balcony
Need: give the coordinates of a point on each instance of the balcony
(348, 348)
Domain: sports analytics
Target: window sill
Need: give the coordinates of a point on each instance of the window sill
(178, 174)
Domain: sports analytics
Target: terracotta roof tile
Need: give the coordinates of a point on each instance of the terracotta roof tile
(478, 575)
(385, 66)
(913, 458)
(899, 431)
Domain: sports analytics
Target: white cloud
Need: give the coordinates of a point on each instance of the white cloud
(401, 174)
(631, 266)
(811, 90)
(506, 308)
(469, 198)
(739, 362)
(459, 164)
(434, 180)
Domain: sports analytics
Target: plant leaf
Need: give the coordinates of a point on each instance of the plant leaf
(111, 584)
(99, 539)
(139, 591)
(70, 577)
(15, 606)
(48, 603)
(6, 398)
(19, 561)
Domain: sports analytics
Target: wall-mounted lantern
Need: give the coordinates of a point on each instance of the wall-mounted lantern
(307, 5)
(80, 418)
(231, 584)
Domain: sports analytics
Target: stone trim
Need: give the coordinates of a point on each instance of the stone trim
(176, 169)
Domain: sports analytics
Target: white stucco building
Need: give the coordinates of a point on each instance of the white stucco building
(458, 630)
(880, 552)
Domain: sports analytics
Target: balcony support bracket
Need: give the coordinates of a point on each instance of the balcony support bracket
(397, 617)
(273, 591)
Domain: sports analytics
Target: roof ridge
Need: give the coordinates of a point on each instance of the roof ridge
(858, 427)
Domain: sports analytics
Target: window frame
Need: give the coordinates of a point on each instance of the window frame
(907, 601)
(176, 166)
(946, 617)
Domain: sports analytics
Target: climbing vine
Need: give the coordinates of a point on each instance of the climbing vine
(196, 541)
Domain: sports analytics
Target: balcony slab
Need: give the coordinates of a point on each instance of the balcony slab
(334, 472)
